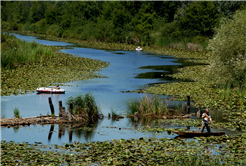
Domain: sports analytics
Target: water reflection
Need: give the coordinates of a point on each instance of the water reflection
(83, 130)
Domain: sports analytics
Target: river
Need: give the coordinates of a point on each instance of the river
(127, 71)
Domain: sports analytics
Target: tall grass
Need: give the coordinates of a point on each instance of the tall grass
(147, 104)
(17, 113)
(15, 52)
(85, 106)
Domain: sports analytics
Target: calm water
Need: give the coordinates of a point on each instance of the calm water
(128, 70)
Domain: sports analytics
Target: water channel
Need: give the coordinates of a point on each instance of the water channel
(127, 71)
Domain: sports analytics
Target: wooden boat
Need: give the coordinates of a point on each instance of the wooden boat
(197, 134)
(50, 90)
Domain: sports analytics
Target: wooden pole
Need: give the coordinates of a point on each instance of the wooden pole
(60, 109)
(64, 113)
(188, 104)
(51, 106)
(70, 112)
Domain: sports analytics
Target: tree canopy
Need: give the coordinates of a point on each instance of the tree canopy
(135, 22)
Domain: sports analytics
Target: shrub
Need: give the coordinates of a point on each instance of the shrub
(228, 47)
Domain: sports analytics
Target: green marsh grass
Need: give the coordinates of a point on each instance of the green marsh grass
(85, 106)
(16, 52)
(147, 105)
(17, 113)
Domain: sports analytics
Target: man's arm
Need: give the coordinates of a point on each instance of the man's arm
(210, 119)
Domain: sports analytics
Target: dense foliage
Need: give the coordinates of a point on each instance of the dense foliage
(229, 50)
(143, 23)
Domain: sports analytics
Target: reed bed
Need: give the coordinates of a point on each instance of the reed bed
(85, 106)
(16, 52)
(148, 104)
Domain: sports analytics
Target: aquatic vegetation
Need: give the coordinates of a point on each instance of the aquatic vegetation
(85, 106)
(17, 113)
(222, 150)
(148, 105)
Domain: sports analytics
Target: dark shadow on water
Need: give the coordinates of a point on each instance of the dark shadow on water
(161, 71)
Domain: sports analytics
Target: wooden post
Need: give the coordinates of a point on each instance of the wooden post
(51, 106)
(60, 109)
(64, 113)
(188, 104)
(70, 112)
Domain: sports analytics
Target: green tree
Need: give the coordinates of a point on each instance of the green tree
(228, 8)
(228, 47)
(199, 19)
(37, 11)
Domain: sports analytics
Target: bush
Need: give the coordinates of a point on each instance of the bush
(228, 47)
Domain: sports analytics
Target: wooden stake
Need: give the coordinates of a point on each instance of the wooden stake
(70, 112)
(60, 109)
(64, 113)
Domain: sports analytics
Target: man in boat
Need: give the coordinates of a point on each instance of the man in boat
(57, 87)
(206, 118)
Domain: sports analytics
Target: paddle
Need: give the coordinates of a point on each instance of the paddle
(215, 128)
